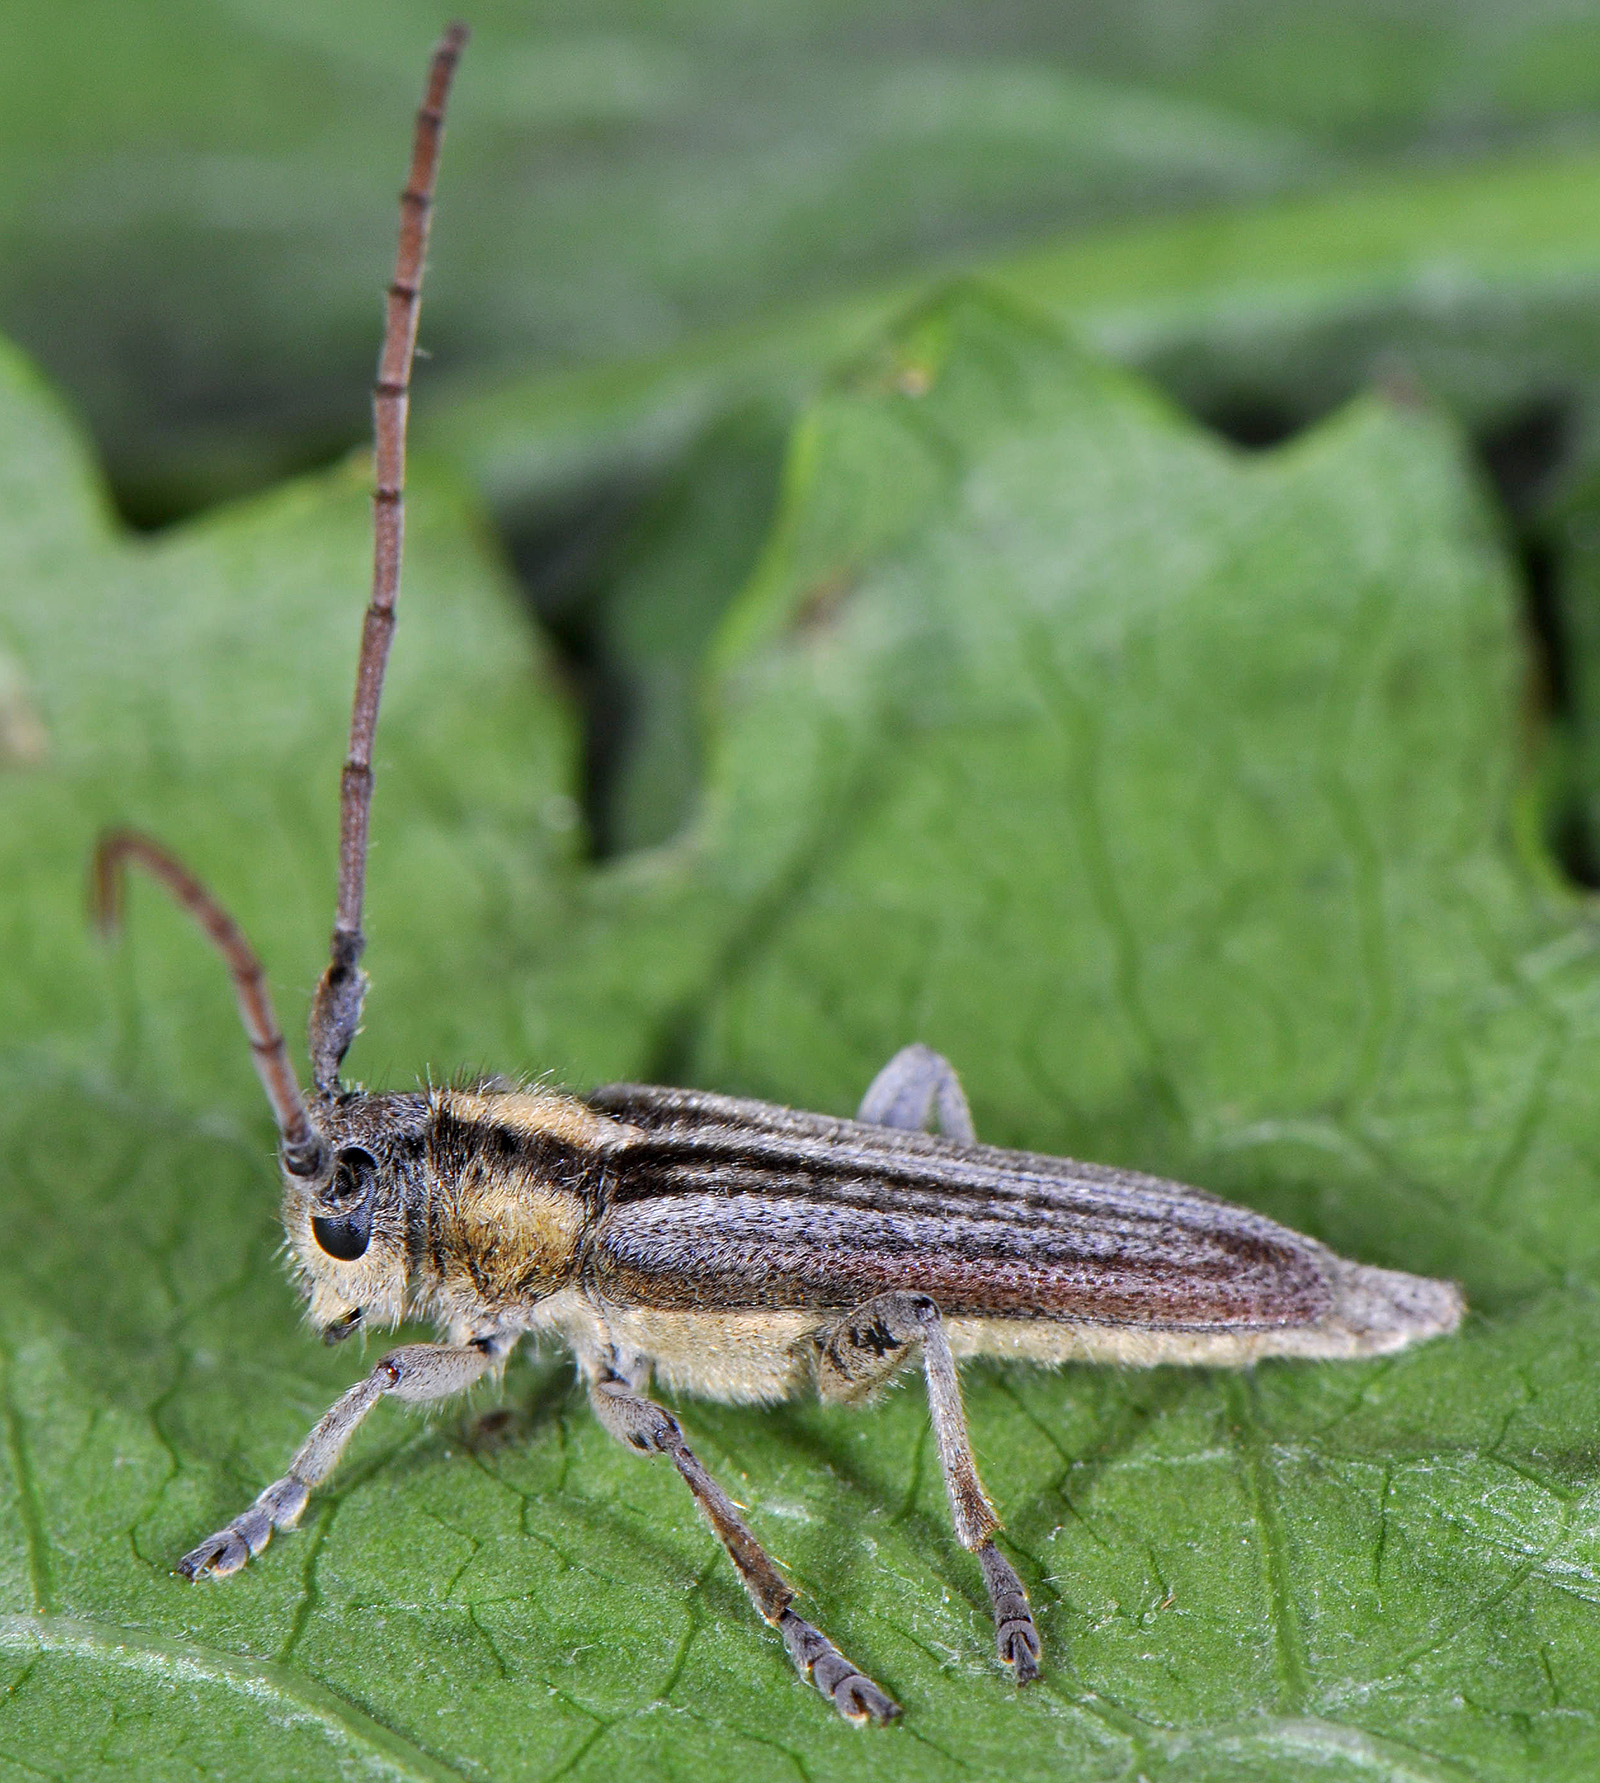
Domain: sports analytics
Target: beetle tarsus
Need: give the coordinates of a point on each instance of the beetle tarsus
(219, 1554)
(851, 1692)
(1016, 1636)
(278, 1507)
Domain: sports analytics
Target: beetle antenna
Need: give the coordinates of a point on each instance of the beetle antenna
(336, 1009)
(299, 1144)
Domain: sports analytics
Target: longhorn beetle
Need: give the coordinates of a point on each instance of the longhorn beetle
(733, 1249)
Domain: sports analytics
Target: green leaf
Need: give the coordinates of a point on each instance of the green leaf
(197, 229)
(1173, 793)
(1482, 283)
(665, 594)
(1481, 287)
(196, 224)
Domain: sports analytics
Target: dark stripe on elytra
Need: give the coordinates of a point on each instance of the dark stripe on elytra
(730, 1203)
(1017, 1188)
(686, 1126)
(851, 1164)
(861, 1179)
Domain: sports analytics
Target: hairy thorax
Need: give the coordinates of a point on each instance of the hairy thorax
(515, 1179)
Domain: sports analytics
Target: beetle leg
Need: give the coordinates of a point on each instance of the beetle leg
(916, 1086)
(861, 1352)
(649, 1429)
(417, 1371)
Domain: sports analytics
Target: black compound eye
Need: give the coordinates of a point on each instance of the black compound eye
(347, 1232)
(345, 1236)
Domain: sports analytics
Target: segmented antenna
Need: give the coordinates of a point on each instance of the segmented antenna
(299, 1145)
(336, 1009)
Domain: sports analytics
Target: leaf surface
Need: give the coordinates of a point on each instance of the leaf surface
(1482, 283)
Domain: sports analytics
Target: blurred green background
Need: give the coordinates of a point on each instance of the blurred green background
(197, 209)
(661, 218)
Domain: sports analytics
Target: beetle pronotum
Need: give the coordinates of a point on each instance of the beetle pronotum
(732, 1249)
